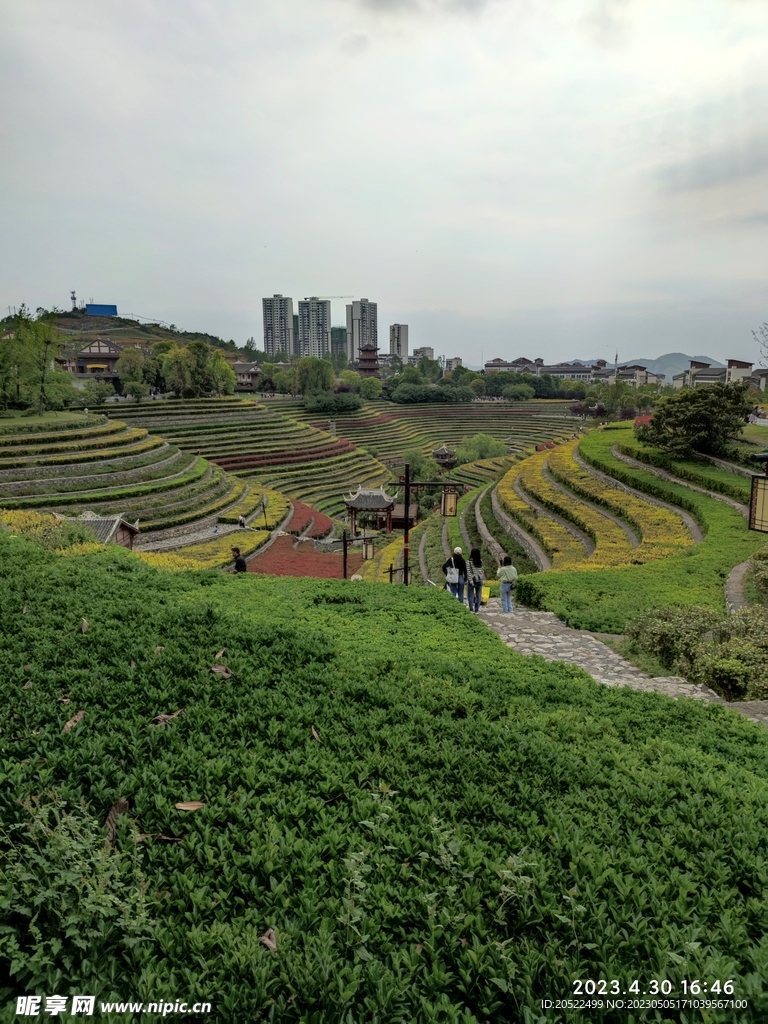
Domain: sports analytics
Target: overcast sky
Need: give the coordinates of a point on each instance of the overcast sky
(509, 177)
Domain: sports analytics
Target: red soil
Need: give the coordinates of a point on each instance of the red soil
(282, 559)
(339, 447)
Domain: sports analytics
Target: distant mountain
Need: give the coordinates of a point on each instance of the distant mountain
(672, 363)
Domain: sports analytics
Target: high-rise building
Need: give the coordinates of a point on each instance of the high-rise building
(398, 341)
(425, 352)
(296, 346)
(278, 324)
(338, 340)
(315, 326)
(362, 329)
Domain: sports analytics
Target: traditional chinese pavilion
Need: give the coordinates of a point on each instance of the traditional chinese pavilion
(368, 361)
(373, 499)
(445, 457)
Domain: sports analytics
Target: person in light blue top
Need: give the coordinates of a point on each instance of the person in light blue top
(507, 573)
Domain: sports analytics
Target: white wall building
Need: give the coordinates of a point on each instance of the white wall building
(278, 324)
(362, 328)
(451, 364)
(398, 341)
(314, 327)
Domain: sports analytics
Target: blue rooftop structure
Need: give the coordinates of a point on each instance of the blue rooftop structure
(96, 309)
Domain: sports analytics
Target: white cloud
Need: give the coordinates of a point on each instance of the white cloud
(573, 169)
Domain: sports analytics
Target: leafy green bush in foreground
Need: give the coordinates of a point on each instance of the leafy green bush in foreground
(436, 828)
(729, 653)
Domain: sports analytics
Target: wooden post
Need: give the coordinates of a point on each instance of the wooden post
(344, 552)
(407, 522)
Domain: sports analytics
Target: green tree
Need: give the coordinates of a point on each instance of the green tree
(370, 388)
(137, 389)
(314, 375)
(477, 387)
(200, 376)
(479, 446)
(284, 381)
(221, 373)
(352, 378)
(518, 392)
(411, 375)
(430, 369)
(11, 369)
(422, 467)
(39, 343)
(96, 392)
(704, 419)
(177, 370)
(130, 366)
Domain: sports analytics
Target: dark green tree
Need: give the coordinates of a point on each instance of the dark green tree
(704, 419)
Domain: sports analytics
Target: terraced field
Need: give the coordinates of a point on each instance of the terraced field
(392, 429)
(109, 467)
(583, 522)
(266, 446)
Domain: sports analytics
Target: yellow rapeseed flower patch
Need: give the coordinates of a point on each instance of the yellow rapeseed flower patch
(563, 548)
(612, 546)
(211, 554)
(663, 532)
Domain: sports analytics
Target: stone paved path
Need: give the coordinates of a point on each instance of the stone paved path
(531, 632)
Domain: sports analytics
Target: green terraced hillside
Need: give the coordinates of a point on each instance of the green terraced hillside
(110, 467)
(266, 445)
(392, 429)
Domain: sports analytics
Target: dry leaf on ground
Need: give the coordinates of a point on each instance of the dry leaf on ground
(64, 700)
(221, 653)
(24, 610)
(73, 721)
(133, 664)
(190, 805)
(145, 835)
(27, 684)
(269, 939)
(222, 670)
(84, 626)
(120, 806)
(314, 735)
(158, 649)
(165, 719)
(171, 839)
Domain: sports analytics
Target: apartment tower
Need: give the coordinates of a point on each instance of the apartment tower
(278, 325)
(398, 341)
(362, 330)
(315, 327)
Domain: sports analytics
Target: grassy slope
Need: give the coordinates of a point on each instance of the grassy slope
(472, 831)
(606, 599)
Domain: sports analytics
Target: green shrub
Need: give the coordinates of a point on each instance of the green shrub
(70, 902)
(728, 653)
(467, 832)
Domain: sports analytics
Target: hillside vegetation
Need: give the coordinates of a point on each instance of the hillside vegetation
(434, 828)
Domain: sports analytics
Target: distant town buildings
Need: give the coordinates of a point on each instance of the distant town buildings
(338, 340)
(424, 352)
(315, 327)
(362, 328)
(398, 341)
(699, 373)
(597, 373)
(451, 364)
(278, 325)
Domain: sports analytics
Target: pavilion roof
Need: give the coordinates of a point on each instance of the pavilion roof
(444, 450)
(369, 499)
(104, 527)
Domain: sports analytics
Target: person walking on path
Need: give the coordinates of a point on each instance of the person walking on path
(455, 570)
(475, 580)
(241, 520)
(507, 573)
(240, 565)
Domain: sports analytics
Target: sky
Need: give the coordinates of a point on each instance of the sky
(554, 178)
